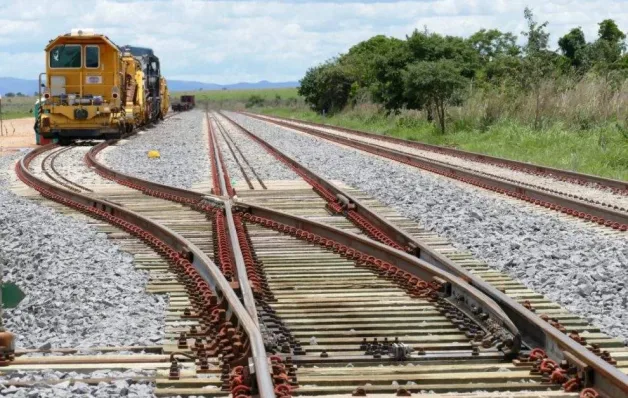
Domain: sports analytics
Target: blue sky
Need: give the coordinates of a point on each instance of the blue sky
(232, 41)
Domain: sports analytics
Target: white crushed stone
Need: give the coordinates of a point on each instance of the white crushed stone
(591, 192)
(51, 383)
(82, 290)
(265, 165)
(583, 270)
(235, 174)
(71, 165)
(182, 143)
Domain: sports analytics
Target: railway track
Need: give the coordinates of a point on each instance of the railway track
(175, 243)
(316, 286)
(302, 201)
(590, 198)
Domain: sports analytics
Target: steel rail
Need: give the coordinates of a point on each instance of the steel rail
(228, 139)
(59, 179)
(580, 178)
(246, 177)
(607, 378)
(459, 283)
(576, 207)
(393, 231)
(419, 268)
(247, 293)
(91, 160)
(261, 362)
(203, 265)
(535, 331)
(190, 197)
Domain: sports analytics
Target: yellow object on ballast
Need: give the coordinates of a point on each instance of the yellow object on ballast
(153, 155)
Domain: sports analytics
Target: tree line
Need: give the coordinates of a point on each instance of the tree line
(429, 72)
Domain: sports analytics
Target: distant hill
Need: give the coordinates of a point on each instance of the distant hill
(28, 87)
(12, 85)
(183, 85)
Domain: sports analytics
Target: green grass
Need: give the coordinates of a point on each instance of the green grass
(17, 107)
(600, 151)
(239, 96)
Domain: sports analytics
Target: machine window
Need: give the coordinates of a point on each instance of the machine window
(65, 56)
(92, 56)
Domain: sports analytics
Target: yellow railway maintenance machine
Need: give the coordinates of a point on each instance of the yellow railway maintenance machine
(94, 89)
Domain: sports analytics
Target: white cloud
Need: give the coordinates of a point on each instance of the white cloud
(229, 41)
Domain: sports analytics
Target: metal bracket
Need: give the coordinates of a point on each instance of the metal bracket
(585, 372)
(214, 201)
(346, 203)
(400, 351)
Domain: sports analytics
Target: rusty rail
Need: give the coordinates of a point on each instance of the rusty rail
(535, 331)
(575, 177)
(173, 243)
(577, 207)
(608, 379)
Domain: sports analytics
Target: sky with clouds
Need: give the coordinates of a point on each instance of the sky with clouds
(232, 41)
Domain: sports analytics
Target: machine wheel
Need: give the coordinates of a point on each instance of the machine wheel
(64, 141)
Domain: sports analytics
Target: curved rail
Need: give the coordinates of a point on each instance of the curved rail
(608, 379)
(200, 262)
(579, 178)
(245, 287)
(613, 217)
(535, 331)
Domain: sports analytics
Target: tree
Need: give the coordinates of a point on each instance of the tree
(360, 61)
(254, 100)
(538, 38)
(573, 45)
(607, 51)
(425, 46)
(609, 31)
(609, 47)
(326, 87)
(433, 83)
(9, 95)
(494, 43)
(538, 62)
(388, 87)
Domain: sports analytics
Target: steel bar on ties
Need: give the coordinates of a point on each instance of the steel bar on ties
(259, 353)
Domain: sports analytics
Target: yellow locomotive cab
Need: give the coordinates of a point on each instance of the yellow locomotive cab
(92, 89)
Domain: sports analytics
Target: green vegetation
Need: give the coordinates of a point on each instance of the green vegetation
(600, 150)
(566, 108)
(453, 80)
(238, 99)
(16, 106)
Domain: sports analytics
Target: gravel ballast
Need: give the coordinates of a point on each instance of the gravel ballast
(82, 290)
(590, 192)
(182, 143)
(235, 174)
(52, 383)
(583, 270)
(265, 165)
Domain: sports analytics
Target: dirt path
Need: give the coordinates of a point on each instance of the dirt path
(16, 134)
